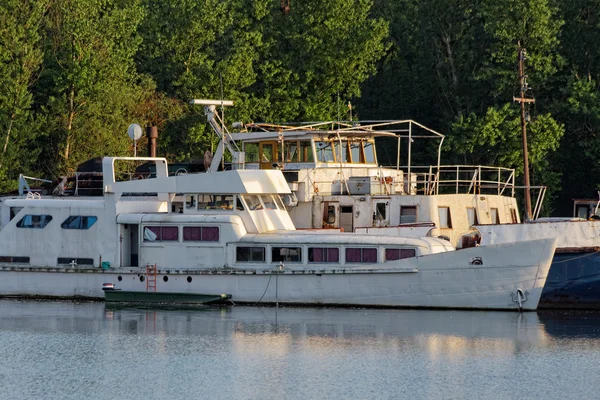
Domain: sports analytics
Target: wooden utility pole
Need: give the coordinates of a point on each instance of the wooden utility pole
(522, 100)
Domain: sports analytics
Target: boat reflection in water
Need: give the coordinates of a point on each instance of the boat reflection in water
(294, 353)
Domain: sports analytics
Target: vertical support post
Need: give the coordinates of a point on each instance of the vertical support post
(522, 100)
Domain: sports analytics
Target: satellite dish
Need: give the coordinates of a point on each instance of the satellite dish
(134, 131)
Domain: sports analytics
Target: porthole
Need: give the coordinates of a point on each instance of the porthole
(142, 278)
(119, 278)
(165, 278)
(189, 278)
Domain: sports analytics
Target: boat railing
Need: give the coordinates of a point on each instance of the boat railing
(457, 179)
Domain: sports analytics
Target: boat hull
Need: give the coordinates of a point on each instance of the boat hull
(454, 279)
(573, 281)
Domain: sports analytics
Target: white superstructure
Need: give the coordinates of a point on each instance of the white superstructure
(229, 232)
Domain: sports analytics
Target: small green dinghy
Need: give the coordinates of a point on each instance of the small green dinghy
(113, 295)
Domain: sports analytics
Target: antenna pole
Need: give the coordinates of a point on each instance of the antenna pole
(522, 100)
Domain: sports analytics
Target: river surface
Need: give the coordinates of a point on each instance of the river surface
(63, 350)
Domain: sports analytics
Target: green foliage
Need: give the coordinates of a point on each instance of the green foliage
(88, 88)
(20, 62)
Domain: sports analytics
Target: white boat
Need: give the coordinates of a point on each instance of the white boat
(229, 232)
(336, 182)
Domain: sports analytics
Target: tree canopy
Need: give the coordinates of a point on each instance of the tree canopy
(76, 73)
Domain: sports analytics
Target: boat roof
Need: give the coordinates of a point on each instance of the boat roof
(221, 182)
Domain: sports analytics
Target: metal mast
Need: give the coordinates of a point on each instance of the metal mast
(522, 100)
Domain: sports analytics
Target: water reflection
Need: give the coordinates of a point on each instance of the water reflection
(251, 352)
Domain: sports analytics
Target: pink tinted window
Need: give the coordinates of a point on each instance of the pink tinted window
(156, 231)
(170, 233)
(392, 254)
(369, 255)
(408, 253)
(210, 234)
(353, 255)
(333, 255)
(191, 233)
(327, 255)
(315, 254)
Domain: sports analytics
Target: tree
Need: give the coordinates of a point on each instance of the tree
(20, 62)
(89, 85)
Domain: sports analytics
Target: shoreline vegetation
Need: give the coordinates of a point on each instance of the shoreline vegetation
(75, 73)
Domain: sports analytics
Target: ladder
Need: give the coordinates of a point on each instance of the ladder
(151, 277)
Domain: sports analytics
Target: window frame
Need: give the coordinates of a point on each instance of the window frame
(65, 224)
(251, 248)
(45, 219)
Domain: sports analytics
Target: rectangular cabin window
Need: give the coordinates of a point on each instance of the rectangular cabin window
(380, 214)
(249, 254)
(472, 216)
(74, 261)
(399, 254)
(306, 151)
(325, 151)
(286, 254)
(513, 215)
(357, 153)
(369, 152)
(291, 153)
(14, 260)
(34, 221)
(190, 201)
(251, 150)
(269, 202)
(445, 219)
(408, 214)
(79, 222)
(582, 211)
(495, 216)
(200, 233)
(215, 202)
(323, 255)
(361, 255)
(252, 202)
(161, 233)
(343, 155)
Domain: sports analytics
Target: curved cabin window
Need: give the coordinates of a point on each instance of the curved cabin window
(249, 254)
(286, 254)
(323, 255)
(34, 221)
(200, 233)
(361, 255)
(79, 222)
(161, 234)
(325, 151)
(399, 254)
(253, 202)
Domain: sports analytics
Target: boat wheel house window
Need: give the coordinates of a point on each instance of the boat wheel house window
(215, 202)
(445, 220)
(399, 254)
(495, 216)
(472, 216)
(79, 222)
(34, 221)
(200, 233)
(408, 214)
(250, 254)
(361, 255)
(286, 254)
(161, 234)
(323, 255)
(253, 202)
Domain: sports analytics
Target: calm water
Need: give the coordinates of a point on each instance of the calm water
(86, 351)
